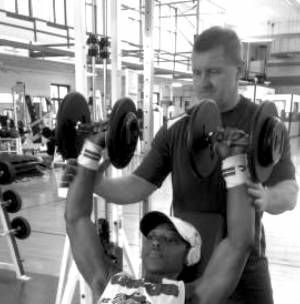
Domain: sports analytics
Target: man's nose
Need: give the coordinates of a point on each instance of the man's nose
(155, 243)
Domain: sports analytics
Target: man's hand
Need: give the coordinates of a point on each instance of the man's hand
(231, 141)
(260, 195)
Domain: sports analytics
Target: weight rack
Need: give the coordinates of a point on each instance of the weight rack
(17, 264)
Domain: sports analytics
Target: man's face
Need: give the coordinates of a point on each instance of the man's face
(215, 77)
(164, 251)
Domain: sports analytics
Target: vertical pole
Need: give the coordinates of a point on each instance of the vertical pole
(148, 74)
(198, 18)
(94, 114)
(148, 84)
(141, 30)
(116, 65)
(80, 47)
(104, 17)
(175, 42)
(116, 55)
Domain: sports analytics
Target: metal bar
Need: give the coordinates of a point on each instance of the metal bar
(30, 7)
(55, 44)
(126, 7)
(198, 17)
(104, 17)
(175, 2)
(159, 32)
(148, 86)
(80, 47)
(175, 41)
(179, 15)
(16, 7)
(140, 30)
(28, 28)
(20, 17)
(65, 12)
(54, 11)
(14, 15)
(94, 114)
(34, 31)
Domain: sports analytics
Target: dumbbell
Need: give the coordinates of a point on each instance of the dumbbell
(120, 134)
(19, 227)
(267, 138)
(7, 173)
(12, 201)
(121, 129)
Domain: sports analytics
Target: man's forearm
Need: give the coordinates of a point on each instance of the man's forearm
(282, 197)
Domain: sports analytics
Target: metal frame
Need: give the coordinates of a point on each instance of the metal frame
(162, 56)
(16, 265)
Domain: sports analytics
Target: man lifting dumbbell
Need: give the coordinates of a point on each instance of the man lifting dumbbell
(217, 67)
(214, 285)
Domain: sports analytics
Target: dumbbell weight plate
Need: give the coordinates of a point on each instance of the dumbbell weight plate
(122, 134)
(204, 121)
(21, 226)
(73, 109)
(12, 200)
(7, 173)
(267, 139)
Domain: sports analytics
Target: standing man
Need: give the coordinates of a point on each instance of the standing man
(217, 67)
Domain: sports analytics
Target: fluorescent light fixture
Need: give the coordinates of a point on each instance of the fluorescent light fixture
(258, 40)
(176, 84)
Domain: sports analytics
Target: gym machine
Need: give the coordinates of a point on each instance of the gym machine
(18, 227)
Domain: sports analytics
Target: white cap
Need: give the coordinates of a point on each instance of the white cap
(186, 230)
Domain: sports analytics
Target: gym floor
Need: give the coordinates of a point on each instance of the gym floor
(42, 251)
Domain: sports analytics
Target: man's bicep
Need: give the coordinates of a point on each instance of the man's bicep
(156, 165)
(284, 169)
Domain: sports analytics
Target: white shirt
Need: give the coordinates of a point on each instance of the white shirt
(124, 289)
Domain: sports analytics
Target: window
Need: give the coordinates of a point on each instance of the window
(57, 94)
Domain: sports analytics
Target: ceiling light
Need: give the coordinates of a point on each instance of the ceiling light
(176, 84)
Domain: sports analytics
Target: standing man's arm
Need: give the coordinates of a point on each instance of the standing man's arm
(274, 199)
(149, 175)
(279, 193)
(123, 190)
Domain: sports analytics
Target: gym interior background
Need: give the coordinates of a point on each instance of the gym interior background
(45, 53)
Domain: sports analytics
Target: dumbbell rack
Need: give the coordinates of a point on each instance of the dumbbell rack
(16, 265)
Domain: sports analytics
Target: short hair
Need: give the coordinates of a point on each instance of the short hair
(217, 36)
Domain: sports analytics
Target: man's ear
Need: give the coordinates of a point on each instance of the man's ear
(240, 70)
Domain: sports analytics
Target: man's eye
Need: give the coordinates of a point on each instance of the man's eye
(197, 73)
(150, 237)
(214, 71)
(172, 240)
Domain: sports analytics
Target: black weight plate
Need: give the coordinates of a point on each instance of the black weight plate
(13, 201)
(279, 139)
(73, 109)
(7, 173)
(259, 170)
(122, 133)
(205, 120)
(21, 226)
